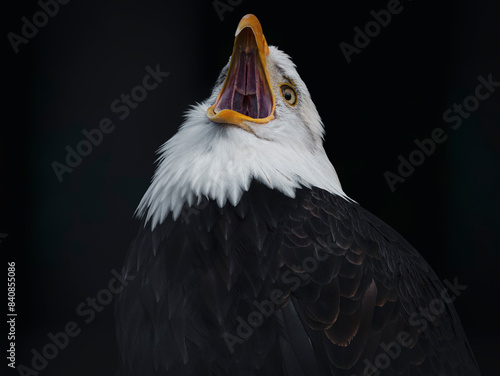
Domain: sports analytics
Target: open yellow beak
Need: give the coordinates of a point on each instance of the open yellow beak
(246, 95)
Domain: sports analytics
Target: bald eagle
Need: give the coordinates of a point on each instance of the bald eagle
(253, 261)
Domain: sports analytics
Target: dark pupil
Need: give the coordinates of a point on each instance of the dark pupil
(288, 96)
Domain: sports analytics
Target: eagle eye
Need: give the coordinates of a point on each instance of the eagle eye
(289, 94)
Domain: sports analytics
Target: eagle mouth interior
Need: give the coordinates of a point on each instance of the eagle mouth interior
(246, 89)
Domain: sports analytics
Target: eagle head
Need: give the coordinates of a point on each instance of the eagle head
(260, 91)
(259, 123)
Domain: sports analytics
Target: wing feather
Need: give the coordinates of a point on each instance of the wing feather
(372, 290)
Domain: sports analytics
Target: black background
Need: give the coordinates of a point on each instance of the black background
(66, 237)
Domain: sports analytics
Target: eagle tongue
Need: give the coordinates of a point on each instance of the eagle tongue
(245, 94)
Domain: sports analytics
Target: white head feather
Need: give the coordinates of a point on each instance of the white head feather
(219, 161)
